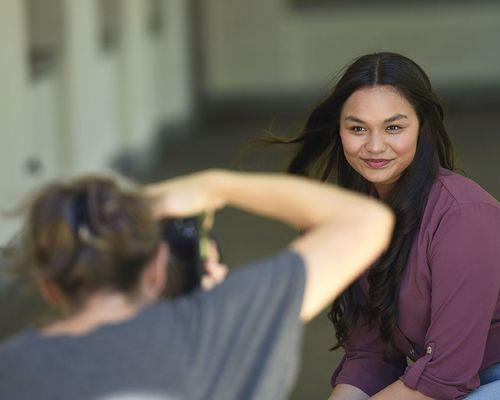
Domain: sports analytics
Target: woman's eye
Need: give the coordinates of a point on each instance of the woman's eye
(393, 128)
(357, 129)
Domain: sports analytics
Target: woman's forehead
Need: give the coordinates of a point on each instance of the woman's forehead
(377, 103)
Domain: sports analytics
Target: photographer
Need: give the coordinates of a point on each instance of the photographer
(98, 256)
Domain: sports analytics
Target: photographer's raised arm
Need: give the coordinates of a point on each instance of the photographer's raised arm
(345, 232)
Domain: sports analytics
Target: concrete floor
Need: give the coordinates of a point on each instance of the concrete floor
(220, 143)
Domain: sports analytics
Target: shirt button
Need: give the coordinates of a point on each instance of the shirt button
(429, 350)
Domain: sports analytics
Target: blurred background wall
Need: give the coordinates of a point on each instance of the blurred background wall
(295, 47)
(83, 81)
(154, 88)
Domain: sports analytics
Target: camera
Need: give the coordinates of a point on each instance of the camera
(188, 242)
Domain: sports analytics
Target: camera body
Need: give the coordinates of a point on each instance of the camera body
(186, 239)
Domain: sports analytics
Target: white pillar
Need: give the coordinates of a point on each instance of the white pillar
(85, 90)
(77, 68)
(177, 59)
(156, 72)
(14, 140)
(133, 83)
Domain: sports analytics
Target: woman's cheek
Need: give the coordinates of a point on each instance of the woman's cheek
(406, 148)
(351, 145)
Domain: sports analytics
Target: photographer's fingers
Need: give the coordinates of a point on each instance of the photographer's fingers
(185, 196)
(213, 252)
(208, 220)
(207, 283)
(160, 207)
(173, 198)
(215, 273)
(177, 203)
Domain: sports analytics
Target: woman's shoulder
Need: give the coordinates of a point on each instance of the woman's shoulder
(455, 199)
(460, 226)
(457, 190)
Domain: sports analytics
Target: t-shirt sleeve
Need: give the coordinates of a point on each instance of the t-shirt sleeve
(245, 334)
(364, 365)
(464, 261)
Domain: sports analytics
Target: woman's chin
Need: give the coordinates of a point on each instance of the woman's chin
(379, 176)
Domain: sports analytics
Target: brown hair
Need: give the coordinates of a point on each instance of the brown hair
(88, 234)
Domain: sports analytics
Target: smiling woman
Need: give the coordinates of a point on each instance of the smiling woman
(379, 132)
(433, 295)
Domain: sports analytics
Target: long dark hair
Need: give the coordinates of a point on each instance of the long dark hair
(321, 156)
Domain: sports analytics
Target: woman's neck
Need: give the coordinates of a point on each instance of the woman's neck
(383, 191)
(101, 309)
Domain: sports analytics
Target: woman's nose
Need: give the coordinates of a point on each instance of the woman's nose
(375, 143)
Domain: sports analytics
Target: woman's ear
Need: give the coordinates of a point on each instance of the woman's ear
(154, 276)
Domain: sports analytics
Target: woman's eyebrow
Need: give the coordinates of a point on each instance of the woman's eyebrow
(395, 118)
(391, 119)
(354, 119)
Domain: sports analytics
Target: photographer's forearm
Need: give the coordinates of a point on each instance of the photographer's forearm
(346, 232)
(300, 202)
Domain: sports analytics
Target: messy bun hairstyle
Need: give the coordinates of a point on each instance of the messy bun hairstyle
(87, 235)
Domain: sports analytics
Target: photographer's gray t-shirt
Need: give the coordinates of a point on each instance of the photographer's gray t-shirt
(239, 341)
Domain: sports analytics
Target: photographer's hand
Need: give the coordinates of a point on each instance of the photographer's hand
(215, 272)
(185, 196)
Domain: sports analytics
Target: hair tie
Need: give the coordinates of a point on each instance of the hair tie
(78, 216)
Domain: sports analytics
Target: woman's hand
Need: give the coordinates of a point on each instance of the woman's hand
(185, 196)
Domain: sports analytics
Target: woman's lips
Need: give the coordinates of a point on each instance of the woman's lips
(376, 163)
